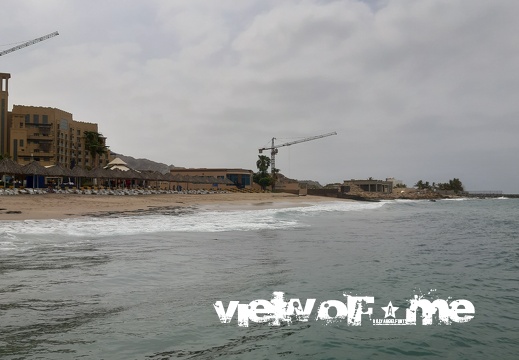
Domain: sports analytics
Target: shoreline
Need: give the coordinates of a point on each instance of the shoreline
(64, 206)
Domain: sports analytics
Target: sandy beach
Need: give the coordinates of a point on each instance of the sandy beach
(61, 206)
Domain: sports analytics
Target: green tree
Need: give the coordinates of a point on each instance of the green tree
(95, 145)
(422, 185)
(263, 163)
(265, 181)
(274, 176)
(454, 184)
(262, 177)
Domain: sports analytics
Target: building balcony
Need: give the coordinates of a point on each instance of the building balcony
(38, 154)
(37, 125)
(42, 136)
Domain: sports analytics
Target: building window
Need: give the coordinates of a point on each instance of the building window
(21, 142)
(21, 124)
(36, 119)
(27, 118)
(45, 119)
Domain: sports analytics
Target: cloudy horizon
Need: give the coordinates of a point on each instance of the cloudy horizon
(416, 90)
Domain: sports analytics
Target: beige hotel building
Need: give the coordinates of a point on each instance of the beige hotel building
(47, 135)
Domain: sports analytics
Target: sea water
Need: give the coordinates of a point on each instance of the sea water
(143, 287)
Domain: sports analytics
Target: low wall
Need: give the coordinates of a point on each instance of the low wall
(323, 192)
(290, 191)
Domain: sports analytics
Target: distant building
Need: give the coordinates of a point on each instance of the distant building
(395, 182)
(48, 135)
(240, 177)
(369, 185)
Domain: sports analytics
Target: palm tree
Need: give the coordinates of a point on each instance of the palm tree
(262, 177)
(95, 145)
(263, 164)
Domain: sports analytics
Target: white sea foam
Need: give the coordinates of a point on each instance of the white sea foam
(458, 199)
(198, 221)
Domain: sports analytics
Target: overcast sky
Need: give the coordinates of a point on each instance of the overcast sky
(415, 89)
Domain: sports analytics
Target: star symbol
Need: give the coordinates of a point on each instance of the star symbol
(389, 310)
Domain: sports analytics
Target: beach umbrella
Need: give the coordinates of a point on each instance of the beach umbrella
(188, 178)
(169, 178)
(132, 174)
(78, 173)
(147, 176)
(212, 180)
(99, 173)
(118, 174)
(34, 168)
(200, 180)
(157, 176)
(58, 170)
(8, 166)
(160, 176)
(177, 178)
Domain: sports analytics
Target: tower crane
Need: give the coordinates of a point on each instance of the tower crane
(28, 43)
(274, 148)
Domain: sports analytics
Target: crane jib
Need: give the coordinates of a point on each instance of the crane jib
(28, 43)
(274, 148)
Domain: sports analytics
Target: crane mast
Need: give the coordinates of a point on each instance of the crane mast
(28, 43)
(274, 148)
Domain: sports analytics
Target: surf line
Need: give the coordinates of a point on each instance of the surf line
(278, 311)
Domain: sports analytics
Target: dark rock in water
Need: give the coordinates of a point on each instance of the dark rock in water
(13, 212)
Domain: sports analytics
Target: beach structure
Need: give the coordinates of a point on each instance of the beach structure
(117, 163)
(241, 178)
(370, 185)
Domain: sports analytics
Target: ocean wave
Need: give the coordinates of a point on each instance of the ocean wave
(198, 221)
